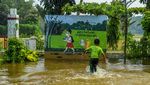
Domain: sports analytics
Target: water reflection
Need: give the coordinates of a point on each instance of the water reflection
(35, 67)
(74, 72)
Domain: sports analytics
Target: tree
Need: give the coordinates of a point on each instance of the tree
(115, 14)
(55, 6)
(146, 22)
(3, 13)
(147, 2)
(41, 11)
(24, 9)
(136, 10)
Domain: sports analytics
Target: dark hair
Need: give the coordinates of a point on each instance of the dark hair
(96, 41)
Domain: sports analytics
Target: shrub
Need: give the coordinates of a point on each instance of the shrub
(18, 53)
(136, 49)
(39, 44)
(146, 21)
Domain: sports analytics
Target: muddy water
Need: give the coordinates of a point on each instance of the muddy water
(73, 72)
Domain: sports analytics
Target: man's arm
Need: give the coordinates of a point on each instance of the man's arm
(104, 56)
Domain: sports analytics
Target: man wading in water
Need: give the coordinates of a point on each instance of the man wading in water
(96, 51)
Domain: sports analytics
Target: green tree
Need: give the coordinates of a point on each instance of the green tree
(146, 23)
(115, 14)
(3, 13)
(147, 2)
(41, 11)
(55, 6)
(26, 11)
(28, 14)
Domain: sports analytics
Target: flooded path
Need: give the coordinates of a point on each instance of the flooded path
(73, 72)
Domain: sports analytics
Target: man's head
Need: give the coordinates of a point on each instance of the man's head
(96, 41)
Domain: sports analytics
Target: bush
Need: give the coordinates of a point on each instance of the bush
(146, 21)
(27, 30)
(39, 44)
(145, 42)
(18, 53)
(136, 49)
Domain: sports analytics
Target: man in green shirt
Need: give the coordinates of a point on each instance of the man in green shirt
(96, 51)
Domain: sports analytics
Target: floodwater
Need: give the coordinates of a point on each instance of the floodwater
(48, 71)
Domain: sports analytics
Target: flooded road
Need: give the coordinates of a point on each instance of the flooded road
(73, 72)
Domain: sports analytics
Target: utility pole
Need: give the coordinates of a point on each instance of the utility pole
(126, 31)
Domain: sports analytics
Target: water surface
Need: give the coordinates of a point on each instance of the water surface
(49, 71)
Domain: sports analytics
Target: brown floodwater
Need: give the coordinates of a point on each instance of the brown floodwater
(67, 71)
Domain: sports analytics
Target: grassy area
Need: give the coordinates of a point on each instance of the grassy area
(58, 42)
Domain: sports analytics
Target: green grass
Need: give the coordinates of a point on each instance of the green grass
(58, 42)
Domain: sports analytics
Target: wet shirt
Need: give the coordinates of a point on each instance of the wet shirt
(96, 51)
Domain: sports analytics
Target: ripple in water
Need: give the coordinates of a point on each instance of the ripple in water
(101, 73)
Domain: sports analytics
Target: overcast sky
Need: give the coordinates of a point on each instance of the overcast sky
(135, 4)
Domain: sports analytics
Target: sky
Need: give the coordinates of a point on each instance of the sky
(135, 4)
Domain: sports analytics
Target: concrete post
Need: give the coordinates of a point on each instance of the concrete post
(13, 23)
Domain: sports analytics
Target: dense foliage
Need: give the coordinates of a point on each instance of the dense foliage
(28, 17)
(28, 30)
(25, 10)
(136, 10)
(113, 33)
(141, 49)
(53, 6)
(138, 49)
(133, 48)
(39, 43)
(18, 53)
(146, 22)
(87, 8)
(25, 30)
(147, 2)
(3, 13)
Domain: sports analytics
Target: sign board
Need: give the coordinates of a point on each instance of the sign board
(83, 29)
